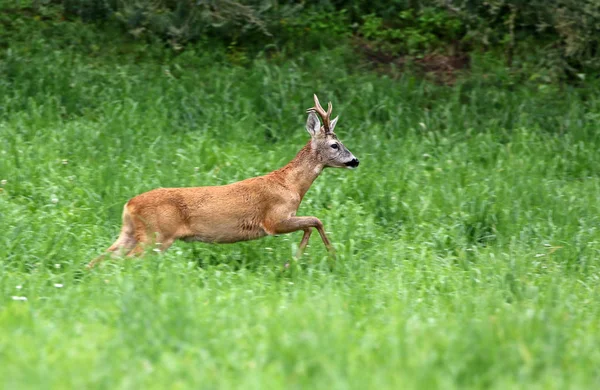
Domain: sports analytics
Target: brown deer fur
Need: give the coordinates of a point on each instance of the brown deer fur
(241, 211)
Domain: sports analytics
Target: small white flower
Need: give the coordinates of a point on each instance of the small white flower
(58, 285)
(65, 162)
(3, 182)
(54, 199)
(56, 265)
(19, 287)
(16, 298)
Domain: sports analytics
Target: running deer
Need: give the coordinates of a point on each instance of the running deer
(246, 210)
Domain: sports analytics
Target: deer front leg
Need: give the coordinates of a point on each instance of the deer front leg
(304, 242)
(294, 224)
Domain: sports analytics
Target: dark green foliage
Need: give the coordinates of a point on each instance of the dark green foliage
(547, 40)
(89, 10)
(412, 32)
(180, 22)
(562, 35)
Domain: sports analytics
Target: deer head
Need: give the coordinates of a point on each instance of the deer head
(326, 145)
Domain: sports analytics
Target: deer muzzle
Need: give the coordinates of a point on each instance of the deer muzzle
(352, 163)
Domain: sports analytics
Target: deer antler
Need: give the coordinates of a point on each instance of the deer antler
(325, 116)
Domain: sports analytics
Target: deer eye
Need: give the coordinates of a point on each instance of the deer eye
(334, 146)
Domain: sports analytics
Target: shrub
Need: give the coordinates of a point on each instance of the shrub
(182, 21)
(412, 32)
(564, 34)
(561, 36)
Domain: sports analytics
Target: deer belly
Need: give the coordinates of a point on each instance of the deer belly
(225, 232)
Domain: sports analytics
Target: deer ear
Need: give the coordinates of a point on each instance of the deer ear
(313, 126)
(333, 123)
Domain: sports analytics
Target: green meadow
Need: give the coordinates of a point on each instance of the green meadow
(467, 240)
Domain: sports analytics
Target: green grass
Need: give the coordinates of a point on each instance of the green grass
(467, 239)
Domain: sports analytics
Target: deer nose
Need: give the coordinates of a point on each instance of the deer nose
(353, 163)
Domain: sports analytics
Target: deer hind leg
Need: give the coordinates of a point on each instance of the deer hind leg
(123, 244)
(161, 245)
(148, 235)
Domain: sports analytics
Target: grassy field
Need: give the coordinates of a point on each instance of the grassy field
(467, 240)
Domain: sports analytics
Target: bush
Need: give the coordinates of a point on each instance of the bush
(564, 34)
(561, 37)
(412, 32)
(182, 21)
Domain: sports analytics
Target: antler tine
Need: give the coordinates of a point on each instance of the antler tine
(325, 115)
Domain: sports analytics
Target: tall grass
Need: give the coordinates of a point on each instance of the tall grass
(467, 239)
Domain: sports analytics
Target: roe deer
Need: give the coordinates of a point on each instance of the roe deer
(245, 210)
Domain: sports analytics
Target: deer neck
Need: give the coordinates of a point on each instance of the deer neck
(299, 174)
